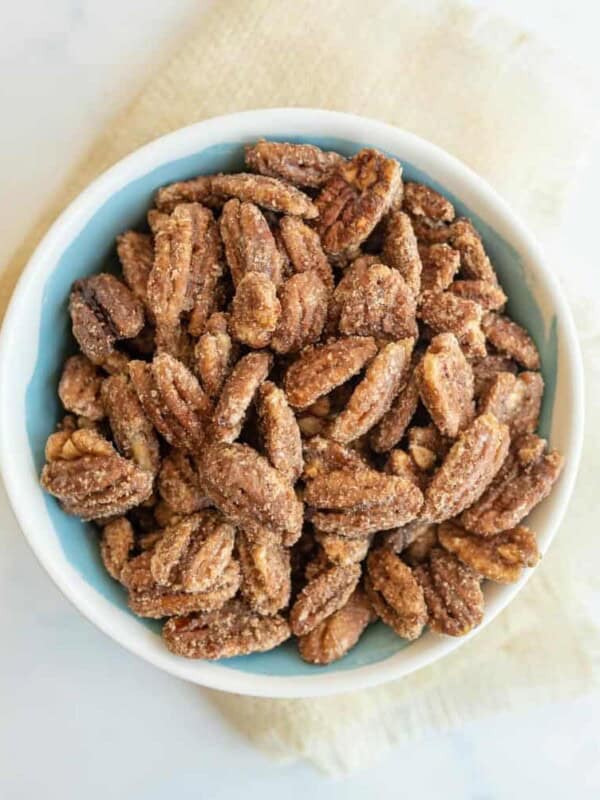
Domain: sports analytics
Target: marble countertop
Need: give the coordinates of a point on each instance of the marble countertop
(80, 716)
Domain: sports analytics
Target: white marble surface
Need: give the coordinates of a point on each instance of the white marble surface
(79, 716)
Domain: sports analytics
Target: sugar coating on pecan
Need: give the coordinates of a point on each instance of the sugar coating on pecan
(248, 490)
(249, 242)
(341, 550)
(116, 543)
(400, 250)
(233, 630)
(445, 382)
(486, 294)
(266, 192)
(136, 254)
(178, 483)
(392, 426)
(420, 200)
(196, 190)
(299, 164)
(237, 395)
(338, 633)
(452, 593)
(515, 400)
(304, 250)
(321, 369)
(90, 478)
(499, 558)
(427, 446)
(439, 265)
(374, 395)
(79, 388)
(322, 596)
(467, 470)
(445, 312)
(266, 574)
(280, 432)
(214, 353)
(323, 455)
(485, 370)
(511, 339)
(474, 262)
(395, 595)
(255, 310)
(303, 299)
(354, 199)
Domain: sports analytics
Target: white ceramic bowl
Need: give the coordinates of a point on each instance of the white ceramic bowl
(35, 338)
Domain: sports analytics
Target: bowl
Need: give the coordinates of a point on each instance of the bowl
(36, 338)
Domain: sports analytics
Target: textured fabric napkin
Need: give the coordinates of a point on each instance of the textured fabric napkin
(495, 98)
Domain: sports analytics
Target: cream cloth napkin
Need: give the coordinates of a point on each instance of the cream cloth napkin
(495, 98)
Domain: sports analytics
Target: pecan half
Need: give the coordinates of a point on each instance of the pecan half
(299, 164)
(322, 596)
(445, 381)
(266, 572)
(403, 465)
(427, 446)
(214, 353)
(354, 199)
(303, 248)
(321, 369)
(515, 400)
(90, 478)
(249, 243)
(392, 426)
(280, 431)
(324, 455)
(440, 263)
(204, 293)
(485, 370)
(255, 310)
(467, 470)
(116, 543)
(237, 395)
(445, 312)
(395, 595)
(400, 249)
(375, 393)
(499, 558)
(303, 301)
(422, 201)
(132, 430)
(511, 340)
(488, 295)
(79, 388)
(244, 486)
(337, 634)
(178, 483)
(233, 630)
(196, 190)
(341, 550)
(136, 254)
(474, 262)
(270, 193)
(103, 310)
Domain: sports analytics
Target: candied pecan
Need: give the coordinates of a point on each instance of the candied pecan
(445, 312)
(178, 483)
(429, 231)
(132, 430)
(135, 573)
(338, 633)
(196, 190)
(255, 310)
(394, 593)
(375, 393)
(511, 497)
(528, 448)
(103, 310)
(249, 243)
(244, 486)
(427, 446)
(237, 395)
(299, 164)
(303, 301)
(401, 539)
(467, 470)
(116, 544)
(233, 630)
(360, 522)
(204, 292)
(515, 400)
(136, 254)
(485, 370)
(452, 593)
(165, 515)
(400, 249)
(79, 388)
(354, 199)
(488, 295)
(266, 572)
(499, 558)
(363, 488)
(420, 200)
(173, 400)
(440, 263)
(280, 431)
(303, 247)
(90, 478)
(379, 304)
(322, 596)
(266, 192)
(474, 262)
(214, 353)
(324, 455)
(445, 381)
(511, 340)
(346, 288)
(403, 465)
(321, 369)
(158, 602)
(192, 555)
(418, 552)
(390, 429)
(341, 550)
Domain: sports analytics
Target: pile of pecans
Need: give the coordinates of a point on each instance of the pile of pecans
(302, 408)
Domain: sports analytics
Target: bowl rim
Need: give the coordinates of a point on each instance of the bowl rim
(178, 144)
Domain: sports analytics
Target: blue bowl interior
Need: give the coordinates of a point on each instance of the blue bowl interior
(93, 250)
